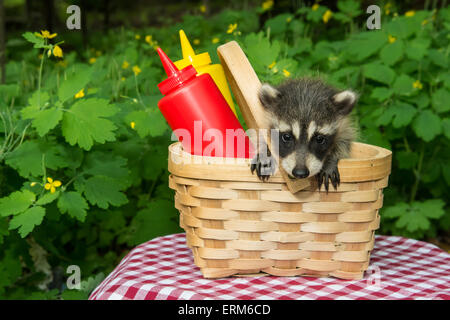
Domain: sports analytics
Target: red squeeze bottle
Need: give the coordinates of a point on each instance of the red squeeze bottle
(199, 115)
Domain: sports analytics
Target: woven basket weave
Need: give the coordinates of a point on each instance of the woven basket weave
(238, 225)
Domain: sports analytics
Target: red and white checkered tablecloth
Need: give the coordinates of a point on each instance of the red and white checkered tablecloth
(163, 268)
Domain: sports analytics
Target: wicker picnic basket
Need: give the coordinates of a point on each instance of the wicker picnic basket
(238, 225)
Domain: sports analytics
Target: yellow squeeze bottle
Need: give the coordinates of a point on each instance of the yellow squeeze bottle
(202, 64)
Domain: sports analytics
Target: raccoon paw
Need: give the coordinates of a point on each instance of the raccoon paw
(329, 174)
(264, 167)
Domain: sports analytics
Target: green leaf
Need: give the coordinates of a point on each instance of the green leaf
(349, 7)
(260, 51)
(386, 117)
(365, 44)
(147, 123)
(39, 99)
(85, 123)
(103, 164)
(74, 295)
(438, 58)
(37, 41)
(374, 136)
(446, 127)
(381, 93)
(395, 211)
(27, 158)
(427, 125)
(417, 48)
(10, 268)
(401, 27)
(416, 216)
(404, 113)
(441, 100)
(392, 52)
(27, 220)
(48, 198)
(433, 209)
(379, 72)
(16, 202)
(74, 83)
(9, 91)
(158, 219)
(73, 204)
(104, 191)
(403, 85)
(46, 120)
(413, 220)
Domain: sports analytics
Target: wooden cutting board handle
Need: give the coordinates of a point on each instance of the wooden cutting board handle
(245, 85)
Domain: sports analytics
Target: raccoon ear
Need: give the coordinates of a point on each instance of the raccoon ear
(268, 95)
(344, 101)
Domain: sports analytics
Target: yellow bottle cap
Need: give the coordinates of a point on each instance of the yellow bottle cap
(189, 56)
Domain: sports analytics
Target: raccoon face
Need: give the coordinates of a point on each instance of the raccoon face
(312, 122)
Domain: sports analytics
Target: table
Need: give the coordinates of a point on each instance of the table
(163, 269)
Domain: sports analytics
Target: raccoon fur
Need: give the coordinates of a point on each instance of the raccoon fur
(314, 129)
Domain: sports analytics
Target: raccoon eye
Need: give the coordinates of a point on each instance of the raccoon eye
(286, 137)
(320, 139)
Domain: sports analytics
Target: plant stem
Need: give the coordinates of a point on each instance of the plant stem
(40, 76)
(417, 173)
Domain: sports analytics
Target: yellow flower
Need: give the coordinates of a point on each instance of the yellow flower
(125, 65)
(80, 94)
(410, 13)
(215, 40)
(92, 60)
(132, 124)
(148, 39)
(417, 85)
(136, 70)
(32, 184)
(137, 37)
(202, 8)
(286, 73)
(327, 16)
(387, 8)
(196, 41)
(288, 19)
(267, 5)
(45, 34)
(315, 6)
(231, 28)
(52, 185)
(332, 58)
(391, 39)
(57, 51)
(272, 65)
(122, 79)
(62, 63)
(424, 22)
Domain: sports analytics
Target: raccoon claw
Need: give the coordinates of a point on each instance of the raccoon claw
(325, 176)
(263, 169)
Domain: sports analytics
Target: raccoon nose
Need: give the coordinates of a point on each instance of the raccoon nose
(300, 173)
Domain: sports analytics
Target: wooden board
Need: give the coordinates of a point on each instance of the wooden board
(245, 85)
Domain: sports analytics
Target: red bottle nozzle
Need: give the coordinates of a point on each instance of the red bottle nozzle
(168, 65)
(175, 77)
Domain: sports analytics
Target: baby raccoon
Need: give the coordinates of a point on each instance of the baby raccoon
(315, 129)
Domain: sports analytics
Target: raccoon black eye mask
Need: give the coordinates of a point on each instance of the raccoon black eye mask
(314, 130)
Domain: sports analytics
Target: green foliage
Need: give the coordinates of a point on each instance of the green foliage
(88, 122)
